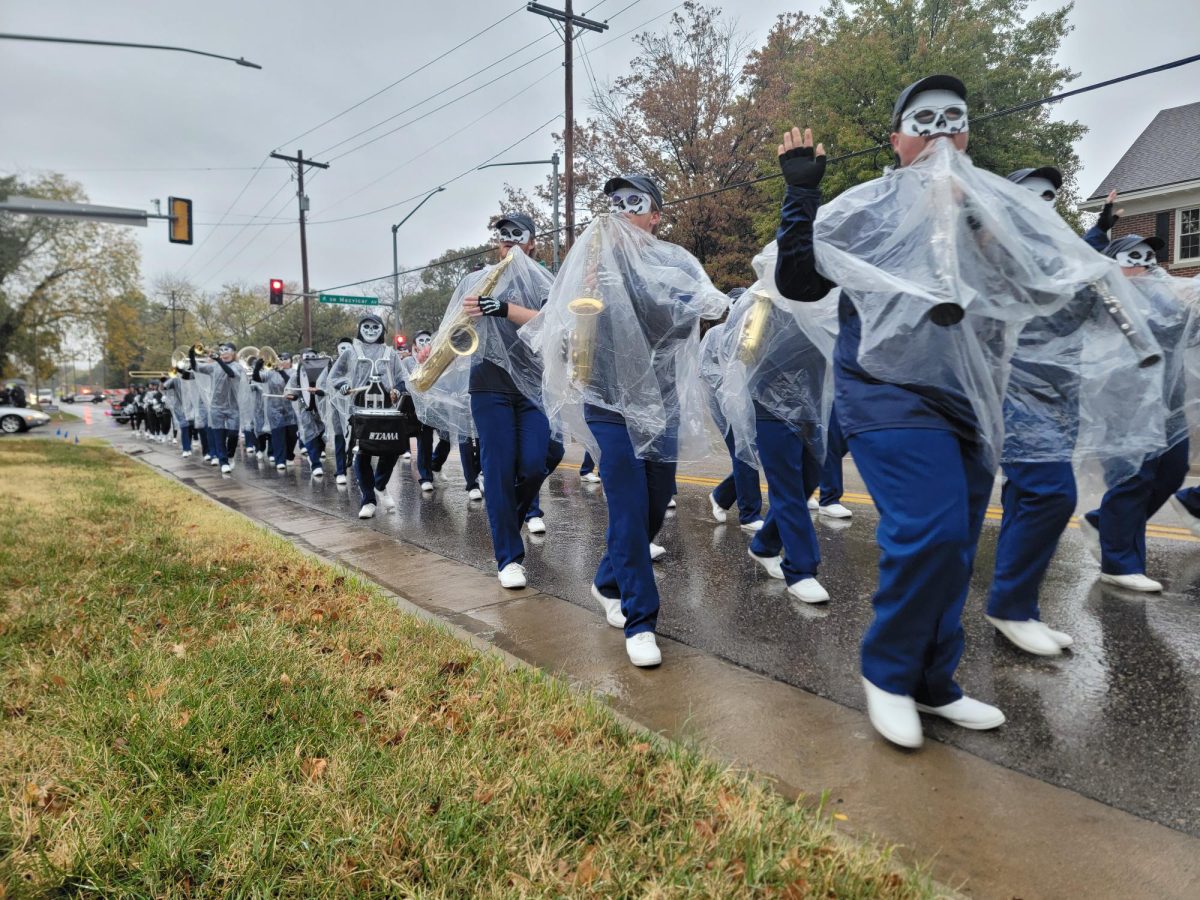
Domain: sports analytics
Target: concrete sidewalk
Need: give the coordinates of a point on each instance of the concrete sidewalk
(985, 829)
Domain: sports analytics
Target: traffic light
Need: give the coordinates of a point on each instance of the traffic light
(180, 211)
(277, 292)
(401, 342)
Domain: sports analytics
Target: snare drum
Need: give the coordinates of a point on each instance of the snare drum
(379, 431)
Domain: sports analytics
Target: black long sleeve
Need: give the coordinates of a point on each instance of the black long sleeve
(796, 273)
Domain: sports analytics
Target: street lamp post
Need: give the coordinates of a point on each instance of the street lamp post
(552, 161)
(396, 260)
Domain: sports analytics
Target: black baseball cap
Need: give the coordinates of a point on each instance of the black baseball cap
(1050, 173)
(1129, 241)
(928, 83)
(643, 183)
(422, 332)
(524, 222)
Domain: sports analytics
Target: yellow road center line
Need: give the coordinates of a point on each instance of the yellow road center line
(994, 513)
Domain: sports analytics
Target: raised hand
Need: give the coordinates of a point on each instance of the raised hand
(1108, 218)
(802, 164)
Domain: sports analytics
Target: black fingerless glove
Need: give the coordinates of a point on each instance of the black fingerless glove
(1107, 218)
(801, 168)
(490, 306)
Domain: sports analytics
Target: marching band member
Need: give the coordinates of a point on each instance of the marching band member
(621, 354)
(1116, 531)
(279, 415)
(336, 421)
(302, 387)
(741, 484)
(938, 264)
(773, 397)
(369, 364)
(177, 402)
(225, 375)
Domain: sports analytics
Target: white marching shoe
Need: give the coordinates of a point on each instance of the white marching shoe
(671, 505)
(657, 551)
(388, 502)
(643, 649)
(773, 564)
(427, 486)
(809, 590)
(367, 511)
(1136, 582)
(611, 607)
(752, 527)
(1091, 538)
(340, 479)
(318, 472)
(834, 511)
(213, 461)
(894, 716)
(512, 576)
(407, 454)
(1192, 522)
(967, 713)
(718, 511)
(813, 505)
(280, 467)
(536, 525)
(590, 478)
(185, 454)
(226, 468)
(1032, 636)
(474, 494)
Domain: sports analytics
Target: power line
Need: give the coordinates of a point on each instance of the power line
(238, 233)
(1021, 107)
(403, 78)
(204, 240)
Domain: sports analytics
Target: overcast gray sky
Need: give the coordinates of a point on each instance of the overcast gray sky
(132, 125)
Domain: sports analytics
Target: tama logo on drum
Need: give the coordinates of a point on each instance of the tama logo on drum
(383, 436)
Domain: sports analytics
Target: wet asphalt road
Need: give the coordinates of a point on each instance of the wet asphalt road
(1117, 719)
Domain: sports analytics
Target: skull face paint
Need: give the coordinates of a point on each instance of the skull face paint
(508, 233)
(422, 340)
(1137, 256)
(932, 113)
(1043, 187)
(343, 346)
(630, 200)
(370, 332)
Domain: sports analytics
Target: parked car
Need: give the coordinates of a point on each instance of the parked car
(45, 397)
(15, 419)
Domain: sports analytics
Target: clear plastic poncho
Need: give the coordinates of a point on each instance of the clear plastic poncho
(203, 383)
(620, 334)
(940, 241)
(307, 406)
(775, 358)
(249, 407)
(277, 410)
(330, 413)
(711, 375)
(352, 373)
(1079, 385)
(446, 405)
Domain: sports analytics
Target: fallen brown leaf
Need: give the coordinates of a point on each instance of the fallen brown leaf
(179, 650)
(586, 872)
(182, 719)
(156, 692)
(285, 680)
(313, 767)
(58, 681)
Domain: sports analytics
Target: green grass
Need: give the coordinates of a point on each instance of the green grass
(193, 708)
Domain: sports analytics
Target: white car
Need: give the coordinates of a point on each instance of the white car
(14, 419)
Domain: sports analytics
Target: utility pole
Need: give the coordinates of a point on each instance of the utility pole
(174, 308)
(300, 162)
(569, 20)
(396, 261)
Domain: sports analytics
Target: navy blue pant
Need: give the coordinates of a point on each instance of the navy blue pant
(314, 448)
(430, 459)
(835, 451)
(221, 440)
(248, 439)
(339, 452)
(740, 486)
(1038, 499)
(554, 455)
(588, 465)
(1125, 509)
(1190, 498)
(514, 436)
(185, 432)
(202, 433)
(637, 492)
(468, 455)
(931, 489)
(792, 472)
(373, 477)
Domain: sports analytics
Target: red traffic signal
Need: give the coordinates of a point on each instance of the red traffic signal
(401, 342)
(277, 292)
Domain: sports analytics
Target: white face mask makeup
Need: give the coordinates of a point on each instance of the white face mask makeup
(370, 331)
(423, 340)
(1137, 255)
(510, 233)
(1043, 187)
(934, 112)
(342, 348)
(630, 200)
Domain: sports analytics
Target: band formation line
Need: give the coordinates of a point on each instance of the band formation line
(938, 322)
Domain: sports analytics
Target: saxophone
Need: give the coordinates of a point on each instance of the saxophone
(754, 326)
(459, 338)
(586, 309)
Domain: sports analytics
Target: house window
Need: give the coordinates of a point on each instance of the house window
(1189, 234)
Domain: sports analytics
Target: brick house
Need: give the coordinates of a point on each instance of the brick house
(1158, 185)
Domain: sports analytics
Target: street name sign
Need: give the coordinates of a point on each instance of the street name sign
(348, 300)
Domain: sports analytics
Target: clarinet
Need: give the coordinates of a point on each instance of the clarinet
(1146, 354)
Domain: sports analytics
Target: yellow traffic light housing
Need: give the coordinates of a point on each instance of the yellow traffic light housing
(180, 228)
